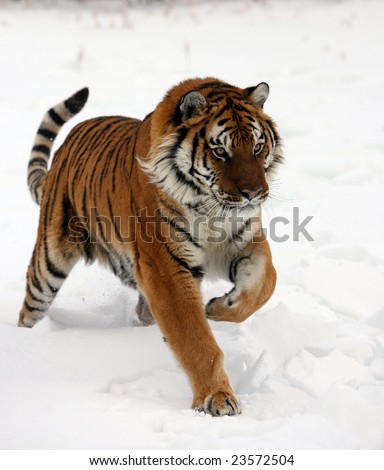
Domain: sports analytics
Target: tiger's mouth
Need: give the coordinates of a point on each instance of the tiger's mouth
(240, 198)
(229, 202)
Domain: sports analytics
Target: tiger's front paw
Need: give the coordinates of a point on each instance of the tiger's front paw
(218, 404)
(220, 309)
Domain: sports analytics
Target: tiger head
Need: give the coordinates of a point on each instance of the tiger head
(213, 141)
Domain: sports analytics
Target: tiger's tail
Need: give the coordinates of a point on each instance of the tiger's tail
(52, 122)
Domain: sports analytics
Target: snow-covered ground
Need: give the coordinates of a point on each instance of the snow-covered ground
(309, 367)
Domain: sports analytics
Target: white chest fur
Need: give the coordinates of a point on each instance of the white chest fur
(223, 238)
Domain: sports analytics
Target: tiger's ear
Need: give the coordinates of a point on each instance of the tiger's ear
(257, 95)
(191, 104)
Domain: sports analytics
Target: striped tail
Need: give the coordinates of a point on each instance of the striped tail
(52, 122)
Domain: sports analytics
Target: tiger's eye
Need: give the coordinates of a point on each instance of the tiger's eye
(257, 149)
(221, 153)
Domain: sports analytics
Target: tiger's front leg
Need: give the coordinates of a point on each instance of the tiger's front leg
(254, 279)
(175, 301)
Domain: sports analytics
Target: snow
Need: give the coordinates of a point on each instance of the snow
(309, 366)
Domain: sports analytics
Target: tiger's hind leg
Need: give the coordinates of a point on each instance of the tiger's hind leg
(48, 269)
(143, 312)
(123, 269)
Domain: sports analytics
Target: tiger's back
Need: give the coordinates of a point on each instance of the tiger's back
(89, 170)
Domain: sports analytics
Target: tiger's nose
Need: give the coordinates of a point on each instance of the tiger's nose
(250, 193)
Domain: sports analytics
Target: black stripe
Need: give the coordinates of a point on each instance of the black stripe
(106, 246)
(205, 165)
(219, 96)
(211, 94)
(56, 118)
(33, 297)
(196, 271)
(50, 265)
(120, 238)
(84, 208)
(172, 223)
(227, 107)
(104, 170)
(274, 132)
(183, 132)
(81, 131)
(95, 164)
(89, 140)
(54, 290)
(195, 143)
(112, 122)
(206, 177)
(181, 178)
(36, 267)
(117, 158)
(223, 121)
(177, 116)
(88, 252)
(247, 118)
(37, 170)
(214, 85)
(168, 156)
(81, 154)
(54, 191)
(33, 309)
(196, 207)
(233, 267)
(36, 283)
(237, 236)
(113, 266)
(267, 132)
(65, 222)
(42, 149)
(41, 161)
(109, 144)
(111, 217)
(226, 129)
(171, 208)
(239, 108)
(47, 133)
(132, 202)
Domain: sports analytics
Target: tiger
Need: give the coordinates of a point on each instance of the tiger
(154, 200)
